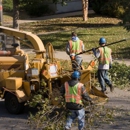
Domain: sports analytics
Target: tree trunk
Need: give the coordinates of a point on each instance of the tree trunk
(85, 9)
(1, 13)
(15, 19)
(15, 14)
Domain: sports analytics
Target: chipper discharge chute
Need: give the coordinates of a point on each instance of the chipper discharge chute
(87, 77)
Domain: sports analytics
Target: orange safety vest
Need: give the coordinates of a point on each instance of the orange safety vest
(73, 94)
(105, 54)
(75, 47)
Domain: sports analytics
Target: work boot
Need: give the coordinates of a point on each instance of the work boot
(111, 88)
(67, 129)
(105, 92)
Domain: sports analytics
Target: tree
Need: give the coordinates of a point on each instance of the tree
(126, 18)
(15, 14)
(15, 18)
(85, 9)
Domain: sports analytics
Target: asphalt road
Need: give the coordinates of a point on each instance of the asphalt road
(118, 100)
(12, 122)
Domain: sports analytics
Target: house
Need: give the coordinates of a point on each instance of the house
(73, 5)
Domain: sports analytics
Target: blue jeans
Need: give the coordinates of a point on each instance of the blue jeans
(103, 79)
(72, 115)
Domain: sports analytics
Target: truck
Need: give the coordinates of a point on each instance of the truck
(20, 77)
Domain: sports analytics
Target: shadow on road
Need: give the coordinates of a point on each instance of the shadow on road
(5, 113)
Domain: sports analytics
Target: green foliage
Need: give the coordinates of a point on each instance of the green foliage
(115, 8)
(35, 7)
(126, 18)
(120, 75)
(7, 5)
(97, 5)
(51, 117)
(48, 116)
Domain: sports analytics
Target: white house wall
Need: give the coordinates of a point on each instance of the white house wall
(71, 6)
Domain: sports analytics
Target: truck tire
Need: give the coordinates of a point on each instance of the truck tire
(12, 104)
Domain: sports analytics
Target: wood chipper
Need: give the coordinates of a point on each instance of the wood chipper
(19, 77)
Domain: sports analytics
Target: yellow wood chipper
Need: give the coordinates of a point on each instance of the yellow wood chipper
(20, 77)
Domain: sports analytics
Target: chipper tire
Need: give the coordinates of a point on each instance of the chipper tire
(12, 104)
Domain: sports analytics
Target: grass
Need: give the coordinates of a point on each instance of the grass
(58, 30)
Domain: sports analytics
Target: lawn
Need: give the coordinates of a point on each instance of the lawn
(57, 31)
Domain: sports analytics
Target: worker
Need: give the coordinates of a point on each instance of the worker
(73, 47)
(103, 53)
(74, 92)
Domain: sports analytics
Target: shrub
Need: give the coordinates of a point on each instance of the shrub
(7, 5)
(120, 75)
(115, 8)
(35, 7)
(97, 5)
(126, 18)
(37, 10)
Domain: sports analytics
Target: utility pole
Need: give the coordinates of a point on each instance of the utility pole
(1, 13)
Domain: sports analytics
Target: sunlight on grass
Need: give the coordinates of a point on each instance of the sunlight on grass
(68, 23)
(7, 19)
(90, 37)
(58, 30)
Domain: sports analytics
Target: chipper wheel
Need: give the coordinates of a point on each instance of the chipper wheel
(12, 104)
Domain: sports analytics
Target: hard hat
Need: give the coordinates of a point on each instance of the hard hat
(75, 74)
(102, 40)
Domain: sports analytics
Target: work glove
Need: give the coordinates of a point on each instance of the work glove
(72, 56)
(110, 66)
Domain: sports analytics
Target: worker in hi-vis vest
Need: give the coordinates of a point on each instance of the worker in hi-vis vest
(73, 47)
(103, 53)
(74, 92)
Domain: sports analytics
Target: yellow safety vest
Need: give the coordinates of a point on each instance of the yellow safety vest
(105, 54)
(75, 47)
(73, 94)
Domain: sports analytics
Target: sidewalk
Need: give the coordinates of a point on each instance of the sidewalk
(86, 57)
